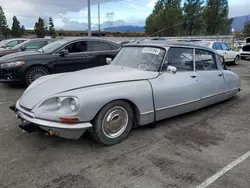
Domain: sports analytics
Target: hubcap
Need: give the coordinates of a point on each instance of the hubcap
(237, 61)
(35, 74)
(115, 122)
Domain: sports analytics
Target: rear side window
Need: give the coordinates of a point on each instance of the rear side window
(225, 47)
(204, 60)
(181, 58)
(217, 46)
(99, 46)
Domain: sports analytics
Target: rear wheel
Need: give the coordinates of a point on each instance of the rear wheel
(236, 60)
(34, 73)
(113, 123)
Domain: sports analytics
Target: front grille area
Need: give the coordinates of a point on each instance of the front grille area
(26, 109)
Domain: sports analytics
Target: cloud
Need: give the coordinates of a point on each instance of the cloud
(151, 3)
(28, 11)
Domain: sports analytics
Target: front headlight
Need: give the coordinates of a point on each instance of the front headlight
(60, 104)
(13, 64)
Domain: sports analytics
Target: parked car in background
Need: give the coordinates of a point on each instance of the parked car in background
(223, 49)
(244, 49)
(146, 82)
(28, 45)
(10, 43)
(66, 55)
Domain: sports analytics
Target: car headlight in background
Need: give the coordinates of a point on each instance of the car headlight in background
(13, 64)
(62, 105)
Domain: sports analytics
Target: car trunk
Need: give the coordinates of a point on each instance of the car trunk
(246, 48)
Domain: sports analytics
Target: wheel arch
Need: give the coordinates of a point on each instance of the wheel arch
(132, 104)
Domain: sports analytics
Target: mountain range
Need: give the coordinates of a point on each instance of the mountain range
(238, 25)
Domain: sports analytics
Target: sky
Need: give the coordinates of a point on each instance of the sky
(73, 14)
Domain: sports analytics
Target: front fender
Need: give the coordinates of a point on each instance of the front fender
(92, 99)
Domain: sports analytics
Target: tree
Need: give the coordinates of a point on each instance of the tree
(40, 28)
(216, 17)
(166, 18)
(4, 29)
(51, 27)
(16, 29)
(246, 30)
(22, 30)
(194, 23)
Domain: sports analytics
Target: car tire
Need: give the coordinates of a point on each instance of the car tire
(236, 60)
(243, 58)
(105, 131)
(34, 73)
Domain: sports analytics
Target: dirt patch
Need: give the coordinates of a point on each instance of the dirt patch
(69, 180)
(196, 136)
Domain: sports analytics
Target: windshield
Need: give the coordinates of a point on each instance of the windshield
(143, 58)
(3, 42)
(52, 46)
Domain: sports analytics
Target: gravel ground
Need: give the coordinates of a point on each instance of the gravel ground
(179, 152)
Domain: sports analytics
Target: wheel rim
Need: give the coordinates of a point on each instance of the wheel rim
(115, 122)
(35, 74)
(236, 60)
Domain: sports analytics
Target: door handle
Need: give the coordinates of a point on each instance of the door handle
(220, 74)
(193, 76)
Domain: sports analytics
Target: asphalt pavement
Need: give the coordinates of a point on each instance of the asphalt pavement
(179, 152)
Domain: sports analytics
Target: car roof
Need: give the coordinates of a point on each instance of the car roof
(85, 38)
(160, 43)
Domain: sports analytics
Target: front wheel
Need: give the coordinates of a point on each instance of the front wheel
(243, 58)
(236, 60)
(34, 73)
(113, 123)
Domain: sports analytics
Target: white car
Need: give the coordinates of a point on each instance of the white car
(244, 49)
(223, 49)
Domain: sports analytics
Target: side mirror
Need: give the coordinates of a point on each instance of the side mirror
(171, 69)
(108, 60)
(23, 48)
(63, 52)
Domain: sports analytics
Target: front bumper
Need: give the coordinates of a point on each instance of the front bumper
(65, 130)
(10, 74)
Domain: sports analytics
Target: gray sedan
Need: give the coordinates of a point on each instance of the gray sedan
(146, 82)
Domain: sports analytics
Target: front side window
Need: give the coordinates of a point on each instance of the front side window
(225, 47)
(204, 60)
(221, 62)
(143, 58)
(12, 44)
(77, 47)
(181, 58)
(99, 46)
(217, 46)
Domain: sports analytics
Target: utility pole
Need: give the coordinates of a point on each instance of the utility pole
(99, 22)
(89, 19)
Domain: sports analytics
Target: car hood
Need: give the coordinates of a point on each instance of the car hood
(7, 51)
(54, 84)
(17, 56)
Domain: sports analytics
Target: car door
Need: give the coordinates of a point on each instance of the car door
(211, 79)
(176, 93)
(229, 55)
(100, 50)
(78, 58)
(232, 83)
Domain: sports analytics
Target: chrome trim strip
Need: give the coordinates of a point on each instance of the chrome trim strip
(176, 105)
(172, 106)
(53, 124)
(208, 96)
(148, 112)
